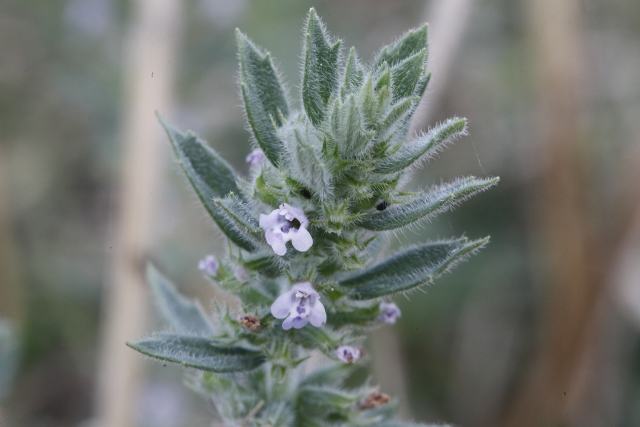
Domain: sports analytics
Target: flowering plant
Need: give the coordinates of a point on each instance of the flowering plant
(306, 226)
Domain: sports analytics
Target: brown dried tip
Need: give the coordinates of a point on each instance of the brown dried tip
(250, 322)
(373, 400)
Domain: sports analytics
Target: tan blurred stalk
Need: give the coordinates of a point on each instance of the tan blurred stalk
(152, 52)
(11, 298)
(448, 21)
(573, 278)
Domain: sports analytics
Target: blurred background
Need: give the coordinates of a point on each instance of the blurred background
(540, 329)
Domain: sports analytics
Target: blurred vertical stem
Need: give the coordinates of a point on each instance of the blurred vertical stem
(11, 299)
(152, 51)
(448, 21)
(572, 276)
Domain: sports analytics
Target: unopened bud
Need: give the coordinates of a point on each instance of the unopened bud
(373, 400)
(250, 322)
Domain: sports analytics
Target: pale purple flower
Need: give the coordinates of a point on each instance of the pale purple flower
(209, 265)
(255, 158)
(299, 305)
(347, 353)
(284, 224)
(241, 274)
(389, 312)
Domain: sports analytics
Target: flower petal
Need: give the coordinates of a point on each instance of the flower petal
(318, 315)
(271, 220)
(282, 305)
(347, 354)
(295, 322)
(276, 242)
(296, 212)
(304, 287)
(301, 239)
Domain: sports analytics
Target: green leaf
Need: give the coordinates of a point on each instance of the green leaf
(438, 200)
(424, 146)
(409, 269)
(353, 75)
(235, 219)
(334, 375)
(422, 85)
(406, 74)
(320, 75)
(211, 177)
(199, 353)
(264, 98)
(410, 43)
(347, 129)
(398, 113)
(186, 316)
(323, 402)
(360, 316)
(210, 174)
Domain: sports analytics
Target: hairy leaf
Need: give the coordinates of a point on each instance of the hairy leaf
(398, 113)
(405, 75)
(360, 316)
(323, 402)
(264, 98)
(334, 374)
(211, 177)
(320, 75)
(347, 129)
(210, 174)
(235, 219)
(425, 146)
(438, 200)
(409, 269)
(199, 353)
(186, 316)
(353, 75)
(410, 43)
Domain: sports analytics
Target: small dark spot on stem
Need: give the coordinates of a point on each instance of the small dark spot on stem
(382, 206)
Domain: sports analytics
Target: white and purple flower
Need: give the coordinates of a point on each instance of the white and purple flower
(299, 305)
(287, 223)
(255, 158)
(347, 354)
(389, 313)
(209, 265)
